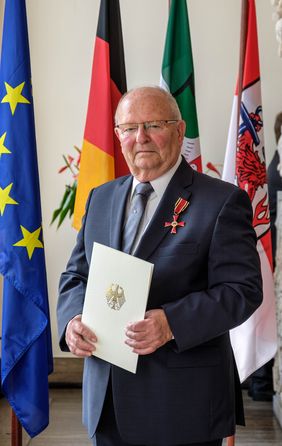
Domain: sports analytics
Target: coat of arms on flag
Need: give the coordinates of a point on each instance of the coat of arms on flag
(254, 342)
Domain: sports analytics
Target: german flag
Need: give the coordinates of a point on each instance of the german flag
(101, 157)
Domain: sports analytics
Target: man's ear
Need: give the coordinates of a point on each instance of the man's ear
(181, 127)
(117, 133)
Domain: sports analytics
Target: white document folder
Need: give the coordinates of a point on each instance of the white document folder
(117, 293)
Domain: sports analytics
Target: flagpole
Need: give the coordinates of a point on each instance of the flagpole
(242, 53)
(16, 430)
(243, 38)
(231, 441)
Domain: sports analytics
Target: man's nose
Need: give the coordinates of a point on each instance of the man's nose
(141, 134)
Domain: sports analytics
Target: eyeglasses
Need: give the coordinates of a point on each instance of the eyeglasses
(150, 127)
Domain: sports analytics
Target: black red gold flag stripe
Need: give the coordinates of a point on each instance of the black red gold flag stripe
(101, 157)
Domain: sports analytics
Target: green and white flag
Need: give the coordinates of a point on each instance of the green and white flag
(178, 78)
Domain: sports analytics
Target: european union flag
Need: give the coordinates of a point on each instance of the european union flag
(26, 337)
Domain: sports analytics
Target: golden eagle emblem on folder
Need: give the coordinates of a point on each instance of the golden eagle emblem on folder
(115, 296)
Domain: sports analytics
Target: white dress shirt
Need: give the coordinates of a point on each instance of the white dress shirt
(159, 185)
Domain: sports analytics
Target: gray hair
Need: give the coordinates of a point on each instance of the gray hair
(176, 114)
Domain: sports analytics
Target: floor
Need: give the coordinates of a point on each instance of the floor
(65, 428)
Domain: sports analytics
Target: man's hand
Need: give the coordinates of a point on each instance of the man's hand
(148, 335)
(79, 338)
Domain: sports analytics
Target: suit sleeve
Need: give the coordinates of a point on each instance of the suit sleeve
(234, 289)
(72, 285)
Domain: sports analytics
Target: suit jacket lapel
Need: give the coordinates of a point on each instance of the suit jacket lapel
(118, 210)
(179, 186)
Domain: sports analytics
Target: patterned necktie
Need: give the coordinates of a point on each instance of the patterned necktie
(136, 212)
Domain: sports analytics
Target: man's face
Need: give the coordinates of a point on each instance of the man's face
(152, 152)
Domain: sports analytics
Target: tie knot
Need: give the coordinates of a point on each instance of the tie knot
(144, 189)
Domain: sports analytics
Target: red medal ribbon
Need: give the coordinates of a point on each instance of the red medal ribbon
(179, 207)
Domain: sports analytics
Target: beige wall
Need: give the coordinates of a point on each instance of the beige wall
(62, 33)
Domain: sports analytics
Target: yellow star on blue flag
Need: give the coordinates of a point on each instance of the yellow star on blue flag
(14, 96)
(30, 240)
(5, 198)
(3, 149)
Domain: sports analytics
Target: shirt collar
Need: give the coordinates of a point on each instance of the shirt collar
(160, 184)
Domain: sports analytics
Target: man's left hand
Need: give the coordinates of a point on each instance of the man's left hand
(148, 335)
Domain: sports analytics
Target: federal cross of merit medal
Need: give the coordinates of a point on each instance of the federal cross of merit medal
(179, 207)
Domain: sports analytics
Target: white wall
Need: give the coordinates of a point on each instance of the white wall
(62, 34)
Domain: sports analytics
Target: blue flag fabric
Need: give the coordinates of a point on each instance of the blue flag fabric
(26, 357)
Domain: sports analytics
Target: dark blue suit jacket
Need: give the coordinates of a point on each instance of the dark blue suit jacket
(206, 278)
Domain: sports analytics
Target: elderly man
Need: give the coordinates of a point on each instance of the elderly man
(198, 233)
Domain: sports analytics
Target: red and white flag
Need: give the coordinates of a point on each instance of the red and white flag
(254, 342)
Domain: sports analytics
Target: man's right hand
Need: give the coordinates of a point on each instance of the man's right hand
(79, 338)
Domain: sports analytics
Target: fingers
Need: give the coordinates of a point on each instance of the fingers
(79, 338)
(144, 337)
(141, 341)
